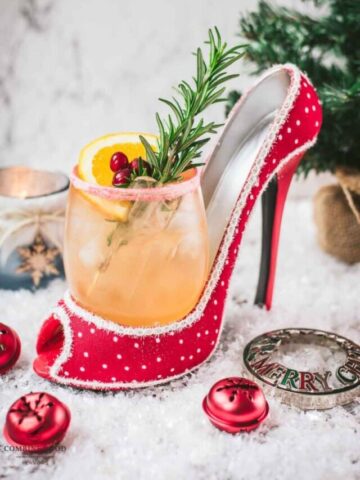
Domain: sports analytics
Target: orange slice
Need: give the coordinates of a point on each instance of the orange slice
(94, 167)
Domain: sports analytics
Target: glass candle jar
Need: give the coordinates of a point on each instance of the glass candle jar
(32, 210)
(137, 256)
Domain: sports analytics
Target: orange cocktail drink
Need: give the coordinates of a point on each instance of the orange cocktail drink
(136, 256)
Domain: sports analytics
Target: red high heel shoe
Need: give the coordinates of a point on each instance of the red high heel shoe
(267, 133)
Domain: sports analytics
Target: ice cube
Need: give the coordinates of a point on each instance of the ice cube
(90, 254)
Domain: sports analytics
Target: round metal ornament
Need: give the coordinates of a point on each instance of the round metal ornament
(36, 422)
(10, 348)
(235, 404)
(335, 380)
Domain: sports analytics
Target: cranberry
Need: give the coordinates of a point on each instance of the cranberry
(121, 177)
(118, 161)
(137, 163)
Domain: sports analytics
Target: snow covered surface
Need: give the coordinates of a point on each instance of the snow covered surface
(162, 433)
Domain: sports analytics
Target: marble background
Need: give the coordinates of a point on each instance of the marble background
(73, 70)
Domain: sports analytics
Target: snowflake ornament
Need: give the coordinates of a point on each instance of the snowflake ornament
(38, 260)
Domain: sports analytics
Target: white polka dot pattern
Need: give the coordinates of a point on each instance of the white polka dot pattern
(150, 358)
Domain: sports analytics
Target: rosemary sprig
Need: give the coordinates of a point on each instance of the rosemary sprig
(182, 136)
(180, 142)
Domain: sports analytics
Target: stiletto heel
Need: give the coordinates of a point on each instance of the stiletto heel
(261, 144)
(272, 204)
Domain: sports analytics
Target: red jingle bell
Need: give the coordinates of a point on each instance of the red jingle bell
(37, 422)
(236, 404)
(10, 347)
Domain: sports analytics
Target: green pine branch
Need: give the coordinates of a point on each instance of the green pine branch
(326, 47)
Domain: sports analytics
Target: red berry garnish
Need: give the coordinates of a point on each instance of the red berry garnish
(118, 161)
(121, 177)
(137, 163)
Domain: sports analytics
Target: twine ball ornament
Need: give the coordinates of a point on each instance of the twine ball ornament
(337, 216)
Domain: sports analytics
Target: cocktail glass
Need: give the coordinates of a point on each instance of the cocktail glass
(137, 256)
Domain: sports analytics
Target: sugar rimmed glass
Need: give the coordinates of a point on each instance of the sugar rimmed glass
(137, 256)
